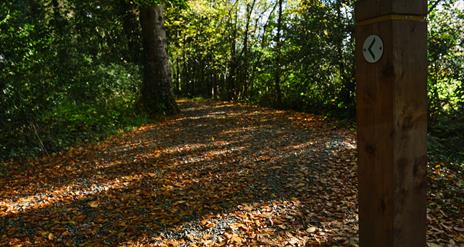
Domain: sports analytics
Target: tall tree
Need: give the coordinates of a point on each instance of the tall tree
(157, 96)
(278, 59)
(245, 50)
(233, 63)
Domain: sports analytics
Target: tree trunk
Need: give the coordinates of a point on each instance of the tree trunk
(233, 63)
(278, 62)
(245, 51)
(157, 96)
(178, 77)
(346, 94)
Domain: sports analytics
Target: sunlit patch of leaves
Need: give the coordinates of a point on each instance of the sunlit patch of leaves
(219, 174)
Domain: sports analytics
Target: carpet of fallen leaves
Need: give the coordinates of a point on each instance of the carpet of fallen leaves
(217, 174)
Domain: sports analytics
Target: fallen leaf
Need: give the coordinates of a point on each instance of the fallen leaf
(459, 229)
(311, 229)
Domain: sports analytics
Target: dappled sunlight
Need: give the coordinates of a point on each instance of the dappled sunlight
(240, 131)
(80, 189)
(248, 178)
(70, 192)
(270, 223)
(261, 222)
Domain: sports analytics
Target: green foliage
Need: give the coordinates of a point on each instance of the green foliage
(71, 68)
(178, 3)
(228, 50)
(321, 57)
(446, 85)
(213, 55)
(218, 51)
(446, 61)
(67, 76)
(105, 105)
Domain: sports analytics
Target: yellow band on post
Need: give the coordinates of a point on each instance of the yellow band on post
(392, 18)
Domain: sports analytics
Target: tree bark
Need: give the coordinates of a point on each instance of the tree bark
(157, 97)
(230, 91)
(278, 59)
(245, 51)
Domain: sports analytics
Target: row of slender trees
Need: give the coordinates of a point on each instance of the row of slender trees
(72, 69)
(295, 54)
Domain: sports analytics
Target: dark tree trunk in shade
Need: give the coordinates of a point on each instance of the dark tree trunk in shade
(156, 96)
(278, 59)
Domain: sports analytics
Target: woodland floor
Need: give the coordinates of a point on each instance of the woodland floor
(218, 174)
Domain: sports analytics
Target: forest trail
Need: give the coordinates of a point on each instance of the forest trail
(218, 173)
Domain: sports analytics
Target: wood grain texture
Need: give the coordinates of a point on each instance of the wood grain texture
(391, 115)
(366, 9)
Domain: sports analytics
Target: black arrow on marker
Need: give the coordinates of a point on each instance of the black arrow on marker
(370, 49)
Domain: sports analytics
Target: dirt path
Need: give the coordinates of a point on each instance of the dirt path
(219, 173)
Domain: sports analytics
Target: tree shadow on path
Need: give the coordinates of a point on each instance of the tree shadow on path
(218, 173)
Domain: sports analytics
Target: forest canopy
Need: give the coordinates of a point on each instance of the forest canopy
(72, 70)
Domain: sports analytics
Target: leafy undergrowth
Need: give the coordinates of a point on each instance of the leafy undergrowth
(218, 174)
(64, 127)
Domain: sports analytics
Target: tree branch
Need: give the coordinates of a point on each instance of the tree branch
(434, 5)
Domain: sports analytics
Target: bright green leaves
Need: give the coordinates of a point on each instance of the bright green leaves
(178, 3)
(65, 72)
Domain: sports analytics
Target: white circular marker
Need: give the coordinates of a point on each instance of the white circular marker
(373, 49)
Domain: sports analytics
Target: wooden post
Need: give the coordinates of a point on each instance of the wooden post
(392, 121)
